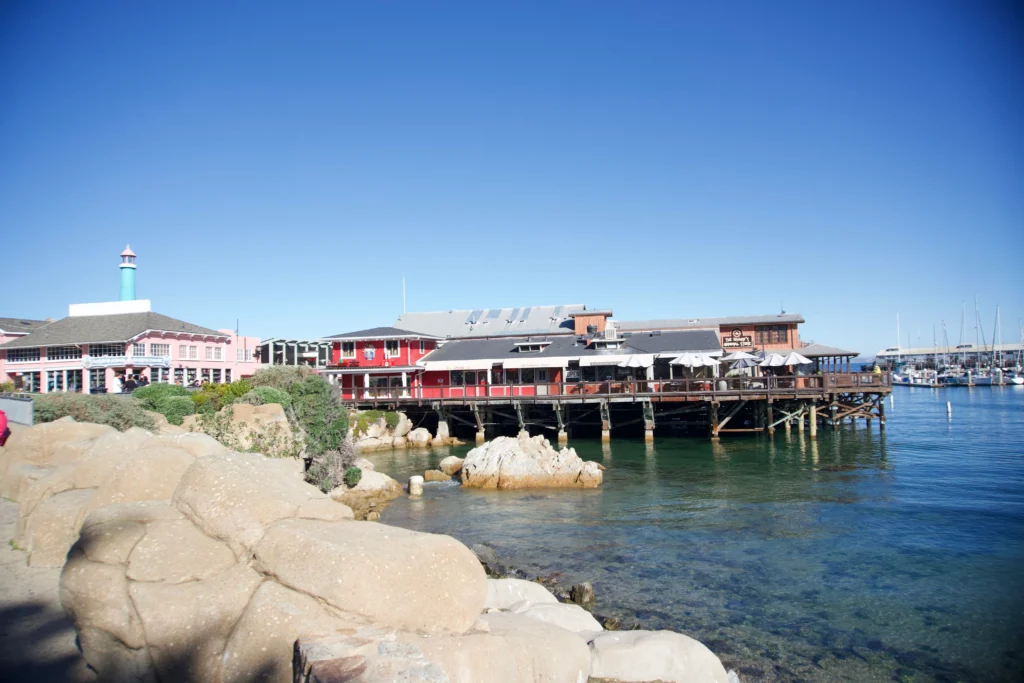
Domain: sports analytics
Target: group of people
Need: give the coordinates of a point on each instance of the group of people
(130, 383)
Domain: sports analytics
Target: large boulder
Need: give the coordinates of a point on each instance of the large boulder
(390, 576)
(443, 436)
(436, 475)
(371, 495)
(53, 527)
(233, 497)
(403, 427)
(527, 462)
(629, 656)
(28, 450)
(504, 593)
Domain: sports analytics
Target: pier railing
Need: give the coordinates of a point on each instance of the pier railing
(678, 388)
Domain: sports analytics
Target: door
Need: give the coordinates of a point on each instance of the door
(541, 378)
(471, 387)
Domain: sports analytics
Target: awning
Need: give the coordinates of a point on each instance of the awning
(541, 362)
(607, 359)
(458, 364)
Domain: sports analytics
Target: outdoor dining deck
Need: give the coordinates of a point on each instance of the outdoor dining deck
(694, 389)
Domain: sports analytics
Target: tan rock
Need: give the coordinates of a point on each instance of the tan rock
(19, 477)
(373, 492)
(525, 462)
(515, 650)
(163, 426)
(234, 496)
(110, 533)
(260, 648)
(570, 617)
(187, 625)
(109, 630)
(52, 528)
(399, 442)
(390, 576)
(450, 465)
(404, 425)
(175, 551)
(629, 656)
(436, 475)
(364, 464)
(443, 437)
(419, 437)
(197, 445)
(148, 474)
(370, 655)
(504, 593)
(376, 429)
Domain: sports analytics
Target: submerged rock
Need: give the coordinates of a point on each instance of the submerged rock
(527, 462)
(371, 495)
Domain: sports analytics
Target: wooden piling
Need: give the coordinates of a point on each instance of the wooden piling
(812, 420)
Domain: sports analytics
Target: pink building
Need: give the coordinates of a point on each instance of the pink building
(97, 344)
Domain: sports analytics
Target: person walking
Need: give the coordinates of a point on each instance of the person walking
(4, 429)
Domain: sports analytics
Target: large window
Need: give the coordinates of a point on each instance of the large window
(138, 349)
(348, 349)
(243, 354)
(193, 353)
(182, 351)
(218, 353)
(160, 349)
(456, 378)
(771, 334)
(391, 348)
(63, 352)
(102, 350)
(209, 353)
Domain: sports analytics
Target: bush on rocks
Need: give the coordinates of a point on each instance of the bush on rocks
(120, 412)
(364, 419)
(213, 397)
(315, 410)
(261, 396)
(281, 377)
(151, 394)
(175, 408)
(327, 470)
(352, 477)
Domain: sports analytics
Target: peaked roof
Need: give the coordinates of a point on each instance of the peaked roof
(21, 325)
(377, 333)
(818, 351)
(493, 322)
(95, 329)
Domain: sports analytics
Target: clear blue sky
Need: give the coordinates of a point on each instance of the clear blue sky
(285, 163)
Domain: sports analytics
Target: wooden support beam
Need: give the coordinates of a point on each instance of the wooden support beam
(732, 413)
(714, 420)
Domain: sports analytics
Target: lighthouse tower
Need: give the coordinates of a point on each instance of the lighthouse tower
(127, 274)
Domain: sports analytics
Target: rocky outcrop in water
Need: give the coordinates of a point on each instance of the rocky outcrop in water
(527, 462)
(370, 496)
(379, 436)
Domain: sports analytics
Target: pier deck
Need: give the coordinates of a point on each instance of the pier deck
(748, 404)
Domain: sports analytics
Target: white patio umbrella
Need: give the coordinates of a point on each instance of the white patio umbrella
(795, 358)
(772, 360)
(738, 355)
(695, 360)
(633, 362)
(744, 363)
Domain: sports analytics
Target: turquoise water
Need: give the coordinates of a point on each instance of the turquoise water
(861, 556)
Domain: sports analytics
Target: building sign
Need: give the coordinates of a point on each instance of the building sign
(133, 361)
(736, 340)
(369, 352)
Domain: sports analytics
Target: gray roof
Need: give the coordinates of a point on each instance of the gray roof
(817, 351)
(493, 322)
(563, 345)
(696, 323)
(377, 333)
(21, 325)
(95, 329)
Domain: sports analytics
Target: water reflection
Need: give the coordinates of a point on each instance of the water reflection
(853, 556)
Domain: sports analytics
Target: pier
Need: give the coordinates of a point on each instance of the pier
(714, 406)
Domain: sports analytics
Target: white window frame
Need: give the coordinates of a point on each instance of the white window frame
(193, 353)
(67, 352)
(345, 354)
(26, 354)
(138, 349)
(104, 350)
(159, 350)
(182, 351)
(209, 353)
(398, 348)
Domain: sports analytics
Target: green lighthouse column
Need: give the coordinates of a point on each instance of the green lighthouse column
(127, 274)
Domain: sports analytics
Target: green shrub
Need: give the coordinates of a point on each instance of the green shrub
(353, 475)
(120, 412)
(263, 395)
(282, 377)
(150, 395)
(327, 470)
(6, 387)
(213, 397)
(175, 408)
(367, 417)
(317, 410)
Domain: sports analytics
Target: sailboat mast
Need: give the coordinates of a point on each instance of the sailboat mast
(897, 337)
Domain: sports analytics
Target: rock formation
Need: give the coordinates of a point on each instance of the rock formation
(527, 462)
(226, 567)
(244, 427)
(450, 465)
(373, 492)
(378, 436)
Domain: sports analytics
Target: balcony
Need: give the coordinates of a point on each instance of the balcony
(89, 362)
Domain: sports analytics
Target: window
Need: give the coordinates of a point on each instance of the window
(216, 375)
(529, 375)
(771, 334)
(238, 354)
(97, 379)
(391, 348)
(138, 349)
(209, 353)
(105, 350)
(511, 376)
(227, 376)
(160, 350)
(22, 355)
(456, 378)
(243, 354)
(525, 348)
(182, 351)
(348, 349)
(193, 353)
(63, 352)
(218, 353)
(423, 346)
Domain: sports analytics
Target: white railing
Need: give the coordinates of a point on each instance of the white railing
(116, 361)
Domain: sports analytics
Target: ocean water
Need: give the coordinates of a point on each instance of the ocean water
(861, 556)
